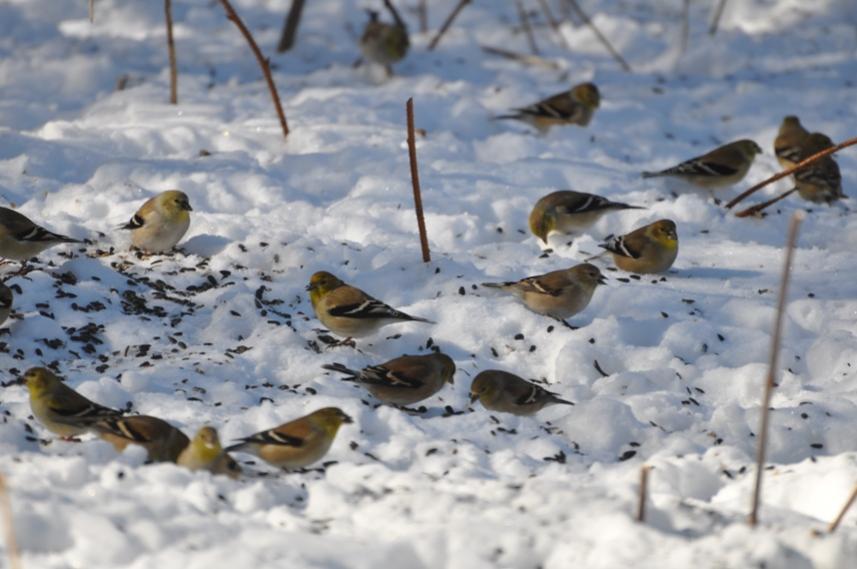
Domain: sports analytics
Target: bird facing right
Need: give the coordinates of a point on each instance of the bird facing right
(650, 249)
(162, 441)
(161, 222)
(570, 212)
(21, 239)
(575, 106)
(507, 393)
(724, 166)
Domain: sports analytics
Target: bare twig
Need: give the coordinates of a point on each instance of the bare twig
(415, 181)
(12, 550)
(290, 26)
(601, 37)
(524, 58)
(91, 11)
(770, 380)
(715, 21)
(395, 14)
(753, 210)
(552, 21)
(422, 15)
(263, 63)
(449, 19)
(685, 25)
(799, 166)
(835, 523)
(171, 50)
(525, 25)
(644, 490)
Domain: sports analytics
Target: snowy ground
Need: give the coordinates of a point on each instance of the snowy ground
(223, 333)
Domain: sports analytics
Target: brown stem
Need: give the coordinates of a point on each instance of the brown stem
(91, 11)
(528, 30)
(171, 50)
(644, 490)
(524, 58)
(685, 25)
(835, 523)
(552, 21)
(395, 14)
(422, 14)
(764, 205)
(776, 334)
(263, 63)
(715, 21)
(449, 19)
(799, 166)
(415, 181)
(601, 37)
(290, 27)
(12, 550)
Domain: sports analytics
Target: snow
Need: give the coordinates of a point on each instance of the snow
(685, 355)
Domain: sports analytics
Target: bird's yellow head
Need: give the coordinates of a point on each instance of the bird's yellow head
(542, 222)
(39, 381)
(174, 203)
(665, 233)
(587, 94)
(206, 443)
(588, 275)
(448, 371)
(320, 284)
(483, 388)
(748, 148)
(330, 419)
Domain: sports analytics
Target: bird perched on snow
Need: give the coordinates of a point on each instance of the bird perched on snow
(298, 443)
(404, 380)
(821, 181)
(162, 441)
(383, 43)
(559, 294)
(723, 166)
(507, 393)
(575, 106)
(788, 146)
(58, 407)
(348, 311)
(649, 249)
(161, 222)
(205, 453)
(6, 298)
(570, 212)
(21, 239)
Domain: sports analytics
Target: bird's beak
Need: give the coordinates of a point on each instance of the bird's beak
(474, 397)
(602, 280)
(310, 287)
(18, 381)
(346, 419)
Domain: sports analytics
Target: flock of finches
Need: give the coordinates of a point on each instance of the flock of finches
(351, 313)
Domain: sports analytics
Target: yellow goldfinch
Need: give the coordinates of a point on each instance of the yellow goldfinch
(575, 106)
(649, 249)
(821, 181)
(6, 298)
(559, 294)
(61, 409)
(298, 443)
(404, 380)
(21, 239)
(348, 311)
(723, 166)
(570, 212)
(162, 441)
(507, 393)
(383, 43)
(205, 453)
(161, 222)
(788, 146)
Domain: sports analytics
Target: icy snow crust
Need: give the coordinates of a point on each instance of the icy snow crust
(223, 333)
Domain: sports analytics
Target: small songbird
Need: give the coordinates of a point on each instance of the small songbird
(298, 443)
(507, 393)
(383, 43)
(161, 222)
(575, 106)
(559, 294)
(6, 298)
(821, 181)
(723, 166)
(58, 407)
(404, 380)
(348, 311)
(162, 441)
(649, 249)
(570, 212)
(205, 453)
(21, 239)
(788, 146)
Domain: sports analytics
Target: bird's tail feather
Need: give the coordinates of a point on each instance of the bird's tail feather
(339, 368)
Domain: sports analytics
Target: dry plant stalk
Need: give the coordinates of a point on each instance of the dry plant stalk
(415, 181)
(552, 21)
(263, 63)
(685, 24)
(715, 21)
(799, 166)
(601, 37)
(644, 491)
(524, 58)
(528, 29)
(835, 523)
(290, 27)
(12, 550)
(91, 11)
(449, 19)
(776, 334)
(171, 50)
(422, 15)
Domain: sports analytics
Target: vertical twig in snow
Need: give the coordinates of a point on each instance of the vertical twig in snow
(715, 21)
(835, 523)
(528, 30)
(449, 19)
(554, 24)
(171, 49)
(685, 25)
(415, 181)
(422, 14)
(290, 27)
(601, 37)
(644, 490)
(11, 543)
(774, 356)
(263, 63)
(91, 11)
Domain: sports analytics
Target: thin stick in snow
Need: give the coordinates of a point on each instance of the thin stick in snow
(644, 490)
(415, 181)
(601, 37)
(449, 19)
(528, 30)
(835, 523)
(91, 11)
(685, 25)
(422, 15)
(715, 21)
(263, 62)
(171, 50)
(552, 21)
(12, 550)
(776, 334)
(290, 26)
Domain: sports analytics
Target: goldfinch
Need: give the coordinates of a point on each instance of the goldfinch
(162, 441)
(575, 106)
(788, 146)
(559, 294)
(205, 453)
(6, 298)
(649, 249)
(58, 407)
(570, 212)
(383, 43)
(21, 239)
(507, 393)
(404, 380)
(821, 181)
(348, 311)
(298, 443)
(161, 222)
(723, 166)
